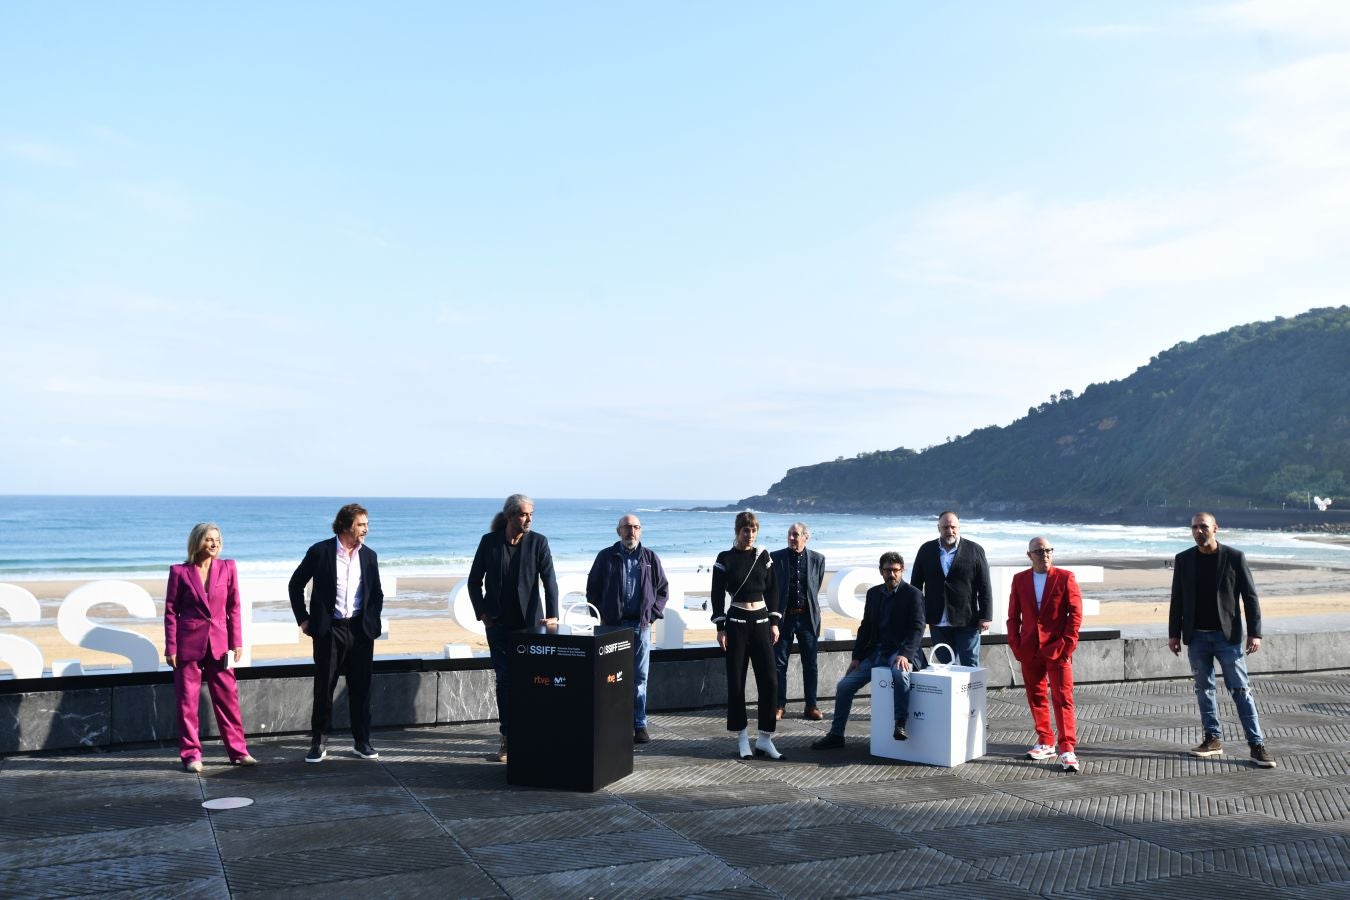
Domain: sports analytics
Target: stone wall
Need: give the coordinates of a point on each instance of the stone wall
(102, 711)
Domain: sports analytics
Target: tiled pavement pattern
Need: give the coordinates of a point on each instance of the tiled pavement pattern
(433, 817)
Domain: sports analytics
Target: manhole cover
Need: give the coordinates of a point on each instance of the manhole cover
(228, 803)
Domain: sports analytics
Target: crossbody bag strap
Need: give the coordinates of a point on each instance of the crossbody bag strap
(732, 598)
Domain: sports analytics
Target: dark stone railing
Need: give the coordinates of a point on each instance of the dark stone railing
(113, 710)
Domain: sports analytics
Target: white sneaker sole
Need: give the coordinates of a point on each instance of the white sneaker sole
(317, 759)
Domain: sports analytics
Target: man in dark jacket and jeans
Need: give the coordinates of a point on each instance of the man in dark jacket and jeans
(799, 574)
(891, 635)
(1209, 581)
(629, 587)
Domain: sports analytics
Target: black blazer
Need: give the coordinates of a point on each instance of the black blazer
(320, 566)
(964, 593)
(906, 625)
(536, 565)
(1234, 580)
(815, 574)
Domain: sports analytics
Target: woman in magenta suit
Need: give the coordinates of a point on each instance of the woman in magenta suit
(201, 628)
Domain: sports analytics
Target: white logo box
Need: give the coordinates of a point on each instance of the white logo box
(947, 722)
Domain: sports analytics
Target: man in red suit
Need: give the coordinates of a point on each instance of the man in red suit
(1045, 612)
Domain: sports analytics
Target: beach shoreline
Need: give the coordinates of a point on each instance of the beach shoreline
(1133, 599)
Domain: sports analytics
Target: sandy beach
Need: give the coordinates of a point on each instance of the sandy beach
(1133, 599)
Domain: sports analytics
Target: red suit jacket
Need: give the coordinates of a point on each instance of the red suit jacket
(1052, 632)
(200, 623)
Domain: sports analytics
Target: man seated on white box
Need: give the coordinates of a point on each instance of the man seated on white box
(891, 635)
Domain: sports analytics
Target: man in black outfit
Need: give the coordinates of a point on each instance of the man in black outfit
(511, 563)
(343, 620)
(1208, 582)
(958, 598)
(891, 635)
(799, 574)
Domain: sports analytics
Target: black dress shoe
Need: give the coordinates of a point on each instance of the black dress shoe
(640, 736)
(318, 750)
(830, 741)
(900, 734)
(365, 751)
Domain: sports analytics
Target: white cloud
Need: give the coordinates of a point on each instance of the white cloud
(106, 387)
(167, 203)
(1302, 115)
(39, 152)
(1310, 20)
(1118, 30)
(1289, 205)
(237, 396)
(111, 136)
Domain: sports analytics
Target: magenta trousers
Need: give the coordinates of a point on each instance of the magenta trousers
(187, 689)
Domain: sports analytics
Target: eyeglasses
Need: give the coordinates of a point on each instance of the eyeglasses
(1043, 551)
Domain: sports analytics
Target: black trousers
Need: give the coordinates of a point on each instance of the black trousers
(345, 650)
(750, 642)
(496, 638)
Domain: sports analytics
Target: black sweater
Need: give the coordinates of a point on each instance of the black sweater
(744, 576)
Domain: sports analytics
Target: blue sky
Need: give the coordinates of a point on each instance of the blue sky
(628, 250)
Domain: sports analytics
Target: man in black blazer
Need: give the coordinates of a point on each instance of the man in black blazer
(343, 621)
(1208, 580)
(891, 634)
(800, 572)
(511, 563)
(958, 598)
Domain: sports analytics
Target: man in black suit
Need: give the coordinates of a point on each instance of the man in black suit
(958, 597)
(343, 620)
(508, 568)
(800, 572)
(1208, 580)
(891, 634)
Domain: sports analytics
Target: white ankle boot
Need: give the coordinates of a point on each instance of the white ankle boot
(743, 743)
(764, 746)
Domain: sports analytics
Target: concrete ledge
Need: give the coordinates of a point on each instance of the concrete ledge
(44, 720)
(103, 711)
(1278, 653)
(1148, 659)
(1324, 650)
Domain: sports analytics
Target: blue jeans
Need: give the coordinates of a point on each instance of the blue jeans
(965, 641)
(852, 682)
(1205, 647)
(642, 658)
(798, 626)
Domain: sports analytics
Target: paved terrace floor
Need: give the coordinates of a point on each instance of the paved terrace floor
(432, 817)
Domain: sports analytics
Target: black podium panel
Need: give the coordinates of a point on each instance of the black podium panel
(571, 710)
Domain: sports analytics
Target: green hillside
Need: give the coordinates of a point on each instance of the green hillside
(1256, 415)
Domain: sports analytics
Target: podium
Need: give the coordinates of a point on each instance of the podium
(570, 723)
(947, 721)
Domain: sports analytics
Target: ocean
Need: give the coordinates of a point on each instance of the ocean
(89, 537)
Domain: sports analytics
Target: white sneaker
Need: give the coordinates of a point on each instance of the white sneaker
(1041, 751)
(1068, 761)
